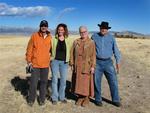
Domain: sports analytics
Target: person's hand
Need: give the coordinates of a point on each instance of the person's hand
(117, 68)
(92, 70)
(72, 67)
(29, 68)
(29, 63)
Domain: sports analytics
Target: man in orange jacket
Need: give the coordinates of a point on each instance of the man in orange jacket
(38, 57)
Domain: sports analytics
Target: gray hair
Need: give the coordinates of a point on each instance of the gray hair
(82, 27)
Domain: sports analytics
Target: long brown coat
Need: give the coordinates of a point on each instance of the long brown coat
(83, 58)
(89, 55)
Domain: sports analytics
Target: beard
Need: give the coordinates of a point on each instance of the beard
(43, 31)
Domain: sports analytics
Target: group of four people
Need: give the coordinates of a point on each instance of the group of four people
(89, 59)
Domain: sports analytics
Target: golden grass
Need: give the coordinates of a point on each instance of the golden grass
(133, 79)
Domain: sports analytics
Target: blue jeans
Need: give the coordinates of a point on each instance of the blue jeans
(106, 67)
(58, 67)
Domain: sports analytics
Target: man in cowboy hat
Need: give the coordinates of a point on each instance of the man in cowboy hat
(106, 47)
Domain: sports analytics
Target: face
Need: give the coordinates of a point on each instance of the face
(61, 31)
(44, 29)
(103, 31)
(83, 32)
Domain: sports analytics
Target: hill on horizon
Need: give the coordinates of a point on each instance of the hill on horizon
(28, 31)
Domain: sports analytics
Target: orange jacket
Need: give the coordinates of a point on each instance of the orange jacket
(38, 50)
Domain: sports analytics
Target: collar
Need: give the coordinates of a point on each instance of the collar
(79, 40)
(40, 33)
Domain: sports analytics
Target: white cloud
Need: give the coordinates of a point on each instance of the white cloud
(8, 10)
(64, 11)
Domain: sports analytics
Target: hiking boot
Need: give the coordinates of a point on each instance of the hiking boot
(64, 101)
(30, 103)
(117, 104)
(98, 103)
(41, 103)
(79, 101)
(85, 101)
(54, 102)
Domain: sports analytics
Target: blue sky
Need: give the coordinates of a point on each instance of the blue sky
(133, 15)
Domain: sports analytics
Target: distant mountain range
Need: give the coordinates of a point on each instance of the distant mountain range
(15, 30)
(29, 31)
(130, 34)
(25, 30)
(127, 34)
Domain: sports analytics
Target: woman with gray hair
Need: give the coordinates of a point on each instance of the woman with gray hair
(82, 61)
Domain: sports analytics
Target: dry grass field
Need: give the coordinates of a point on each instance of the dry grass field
(134, 80)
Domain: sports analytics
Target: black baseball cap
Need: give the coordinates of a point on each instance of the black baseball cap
(43, 23)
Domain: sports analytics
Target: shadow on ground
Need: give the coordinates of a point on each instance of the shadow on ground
(22, 85)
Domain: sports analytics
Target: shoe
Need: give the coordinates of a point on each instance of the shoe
(41, 103)
(117, 104)
(98, 103)
(54, 102)
(30, 103)
(79, 101)
(63, 101)
(85, 102)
